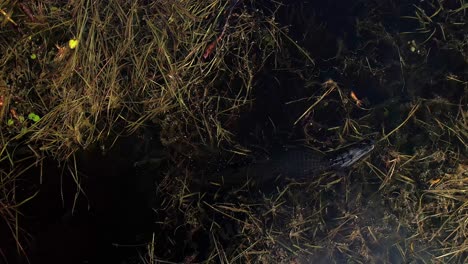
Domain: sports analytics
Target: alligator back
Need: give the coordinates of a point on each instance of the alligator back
(295, 162)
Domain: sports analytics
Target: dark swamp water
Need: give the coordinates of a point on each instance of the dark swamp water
(125, 190)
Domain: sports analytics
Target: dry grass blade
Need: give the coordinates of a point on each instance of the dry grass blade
(10, 206)
(330, 86)
(410, 114)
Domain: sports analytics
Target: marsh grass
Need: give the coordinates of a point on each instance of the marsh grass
(410, 207)
(135, 64)
(305, 222)
(190, 68)
(11, 202)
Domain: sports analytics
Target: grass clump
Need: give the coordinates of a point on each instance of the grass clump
(406, 203)
(131, 64)
(79, 74)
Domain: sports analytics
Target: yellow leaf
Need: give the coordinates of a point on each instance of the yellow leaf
(73, 43)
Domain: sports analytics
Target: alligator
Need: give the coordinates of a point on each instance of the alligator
(297, 162)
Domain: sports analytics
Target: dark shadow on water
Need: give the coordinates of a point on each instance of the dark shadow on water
(111, 222)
